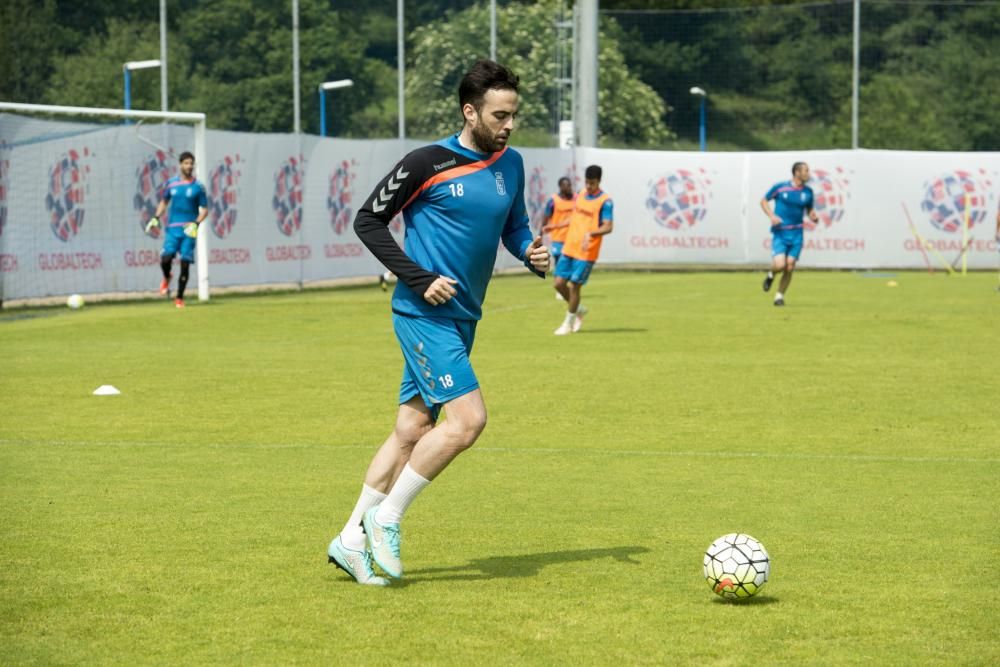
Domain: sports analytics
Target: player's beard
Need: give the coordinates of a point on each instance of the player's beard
(485, 140)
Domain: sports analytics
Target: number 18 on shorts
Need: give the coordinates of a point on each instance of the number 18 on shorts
(436, 358)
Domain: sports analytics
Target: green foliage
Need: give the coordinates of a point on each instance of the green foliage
(185, 521)
(778, 74)
(443, 50)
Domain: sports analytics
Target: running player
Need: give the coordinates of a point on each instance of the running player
(460, 197)
(558, 210)
(188, 208)
(592, 220)
(793, 199)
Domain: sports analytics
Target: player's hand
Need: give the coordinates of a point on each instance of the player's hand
(538, 255)
(153, 223)
(191, 230)
(775, 221)
(585, 244)
(440, 291)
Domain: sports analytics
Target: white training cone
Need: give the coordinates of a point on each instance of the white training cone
(106, 390)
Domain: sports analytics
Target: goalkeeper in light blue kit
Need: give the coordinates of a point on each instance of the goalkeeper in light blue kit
(793, 199)
(188, 208)
(459, 198)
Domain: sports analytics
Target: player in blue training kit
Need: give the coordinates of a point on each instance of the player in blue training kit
(793, 199)
(188, 208)
(459, 197)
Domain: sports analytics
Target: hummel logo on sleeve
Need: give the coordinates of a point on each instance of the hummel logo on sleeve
(385, 194)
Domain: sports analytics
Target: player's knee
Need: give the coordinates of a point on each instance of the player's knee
(468, 426)
(408, 434)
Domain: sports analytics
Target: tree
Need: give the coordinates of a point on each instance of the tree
(443, 50)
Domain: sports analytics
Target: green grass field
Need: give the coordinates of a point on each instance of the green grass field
(855, 432)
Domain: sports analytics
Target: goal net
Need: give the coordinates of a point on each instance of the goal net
(77, 187)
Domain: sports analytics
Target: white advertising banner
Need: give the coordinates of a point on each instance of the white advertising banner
(74, 200)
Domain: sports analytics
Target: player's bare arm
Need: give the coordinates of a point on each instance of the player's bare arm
(766, 207)
(606, 227)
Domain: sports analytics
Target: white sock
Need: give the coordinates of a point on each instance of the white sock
(779, 295)
(353, 536)
(770, 274)
(403, 492)
(569, 317)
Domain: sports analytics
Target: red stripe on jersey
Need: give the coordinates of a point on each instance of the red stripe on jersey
(456, 172)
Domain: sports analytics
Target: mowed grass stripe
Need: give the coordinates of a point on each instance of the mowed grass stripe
(528, 450)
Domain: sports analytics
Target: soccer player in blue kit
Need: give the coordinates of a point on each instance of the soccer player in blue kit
(460, 197)
(188, 207)
(792, 200)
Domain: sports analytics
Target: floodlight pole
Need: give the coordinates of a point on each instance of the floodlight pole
(856, 75)
(163, 55)
(401, 69)
(493, 30)
(585, 54)
(296, 103)
(700, 92)
(323, 87)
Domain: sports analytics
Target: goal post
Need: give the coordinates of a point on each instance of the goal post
(195, 120)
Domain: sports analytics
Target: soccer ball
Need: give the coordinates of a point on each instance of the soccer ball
(736, 566)
(75, 301)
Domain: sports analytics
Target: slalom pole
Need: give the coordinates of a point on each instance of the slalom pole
(924, 243)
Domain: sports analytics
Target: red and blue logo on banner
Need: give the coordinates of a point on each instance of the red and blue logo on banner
(223, 191)
(679, 199)
(338, 199)
(830, 194)
(65, 199)
(945, 199)
(287, 199)
(150, 177)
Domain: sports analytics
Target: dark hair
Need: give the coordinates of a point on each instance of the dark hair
(796, 167)
(593, 171)
(186, 155)
(564, 179)
(483, 76)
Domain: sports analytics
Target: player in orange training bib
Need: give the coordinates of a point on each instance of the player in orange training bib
(592, 219)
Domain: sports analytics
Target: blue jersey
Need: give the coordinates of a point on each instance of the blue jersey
(791, 204)
(457, 206)
(185, 197)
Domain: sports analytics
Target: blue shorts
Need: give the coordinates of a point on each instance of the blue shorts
(782, 244)
(574, 270)
(436, 359)
(182, 244)
(556, 250)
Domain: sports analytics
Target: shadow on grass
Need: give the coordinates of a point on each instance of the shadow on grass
(517, 567)
(748, 602)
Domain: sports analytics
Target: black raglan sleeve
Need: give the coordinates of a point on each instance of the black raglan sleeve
(389, 197)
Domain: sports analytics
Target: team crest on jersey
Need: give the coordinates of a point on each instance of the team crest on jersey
(501, 187)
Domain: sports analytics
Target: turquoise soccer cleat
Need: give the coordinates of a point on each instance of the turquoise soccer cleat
(358, 564)
(383, 540)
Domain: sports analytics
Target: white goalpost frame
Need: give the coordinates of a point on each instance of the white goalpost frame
(197, 120)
